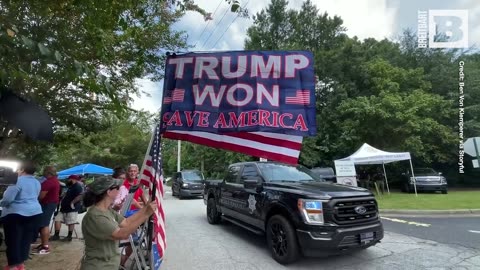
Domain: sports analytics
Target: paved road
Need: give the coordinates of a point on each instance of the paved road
(463, 231)
(195, 244)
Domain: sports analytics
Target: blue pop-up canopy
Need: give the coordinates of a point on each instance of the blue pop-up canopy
(84, 169)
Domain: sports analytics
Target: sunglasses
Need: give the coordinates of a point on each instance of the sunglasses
(114, 187)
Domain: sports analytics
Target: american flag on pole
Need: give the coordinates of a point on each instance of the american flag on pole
(152, 177)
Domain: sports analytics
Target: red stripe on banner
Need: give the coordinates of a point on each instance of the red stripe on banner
(267, 140)
(232, 147)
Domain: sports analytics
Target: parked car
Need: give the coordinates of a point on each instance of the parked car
(326, 173)
(427, 179)
(298, 213)
(188, 183)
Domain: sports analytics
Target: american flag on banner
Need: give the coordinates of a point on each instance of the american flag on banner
(151, 173)
(273, 146)
(302, 97)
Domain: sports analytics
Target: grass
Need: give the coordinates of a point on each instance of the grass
(431, 201)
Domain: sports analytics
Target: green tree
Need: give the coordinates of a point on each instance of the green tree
(81, 59)
(385, 93)
(122, 141)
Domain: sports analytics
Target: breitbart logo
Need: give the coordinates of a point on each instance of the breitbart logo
(442, 28)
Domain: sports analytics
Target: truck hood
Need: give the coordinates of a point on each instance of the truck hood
(320, 190)
(427, 178)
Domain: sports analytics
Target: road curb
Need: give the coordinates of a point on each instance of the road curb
(429, 212)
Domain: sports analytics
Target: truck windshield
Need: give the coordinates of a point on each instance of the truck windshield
(281, 173)
(424, 171)
(193, 176)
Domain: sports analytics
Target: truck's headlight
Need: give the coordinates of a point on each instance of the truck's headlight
(184, 185)
(312, 211)
(412, 180)
(443, 180)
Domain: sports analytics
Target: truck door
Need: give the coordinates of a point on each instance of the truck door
(230, 203)
(175, 183)
(252, 199)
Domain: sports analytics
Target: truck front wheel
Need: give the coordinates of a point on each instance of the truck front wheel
(282, 240)
(213, 215)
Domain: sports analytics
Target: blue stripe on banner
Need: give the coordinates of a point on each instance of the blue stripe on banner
(157, 261)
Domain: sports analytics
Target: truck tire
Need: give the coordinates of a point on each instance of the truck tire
(213, 216)
(282, 240)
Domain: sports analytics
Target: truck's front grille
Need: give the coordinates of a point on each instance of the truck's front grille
(354, 211)
(355, 240)
(195, 187)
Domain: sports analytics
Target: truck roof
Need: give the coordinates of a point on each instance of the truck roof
(258, 162)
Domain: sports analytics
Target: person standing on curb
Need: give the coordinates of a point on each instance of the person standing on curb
(48, 200)
(21, 211)
(69, 207)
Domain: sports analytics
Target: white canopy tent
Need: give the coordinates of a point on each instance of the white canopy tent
(369, 155)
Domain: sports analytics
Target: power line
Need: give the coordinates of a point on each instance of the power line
(205, 28)
(234, 19)
(213, 31)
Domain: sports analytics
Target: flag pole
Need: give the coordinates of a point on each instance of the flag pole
(153, 198)
(179, 150)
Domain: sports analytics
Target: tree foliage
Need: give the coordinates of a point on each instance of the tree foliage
(122, 141)
(80, 59)
(388, 93)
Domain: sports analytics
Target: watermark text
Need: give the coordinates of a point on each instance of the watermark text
(440, 28)
(461, 112)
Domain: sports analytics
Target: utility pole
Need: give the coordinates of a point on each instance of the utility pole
(179, 150)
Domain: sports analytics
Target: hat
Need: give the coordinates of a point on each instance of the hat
(74, 177)
(103, 183)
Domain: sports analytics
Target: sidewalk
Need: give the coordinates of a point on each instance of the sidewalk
(409, 212)
(63, 256)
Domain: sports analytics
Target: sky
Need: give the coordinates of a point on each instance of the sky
(377, 19)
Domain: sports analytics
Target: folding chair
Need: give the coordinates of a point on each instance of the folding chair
(136, 241)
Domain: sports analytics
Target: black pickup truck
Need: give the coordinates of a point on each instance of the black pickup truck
(299, 213)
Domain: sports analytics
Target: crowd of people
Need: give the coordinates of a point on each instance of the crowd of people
(369, 178)
(31, 205)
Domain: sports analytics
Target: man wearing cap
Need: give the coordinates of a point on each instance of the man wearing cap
(69, 207)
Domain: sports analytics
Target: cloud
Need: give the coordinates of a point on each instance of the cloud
(228, 32)
(377, 19)
(151, 101)
(364, 19)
